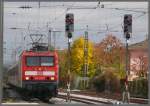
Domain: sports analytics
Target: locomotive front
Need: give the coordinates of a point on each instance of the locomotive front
(40, 73)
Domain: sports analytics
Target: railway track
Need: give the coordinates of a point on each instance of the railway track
(84, 100)
(96, 100)
(139, 100)
(11, 96)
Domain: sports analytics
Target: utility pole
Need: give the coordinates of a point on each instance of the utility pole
(1, 49)
(126, 94)
(50, 33)
(54, 37)
(69, 69)
(85, 58)
(39, 3)
(49, 39)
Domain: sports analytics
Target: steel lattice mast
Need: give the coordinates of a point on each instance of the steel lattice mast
(85, 56)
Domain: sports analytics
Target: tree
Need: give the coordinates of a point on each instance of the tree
(77, 57)
(62, 67)
(143, 66)
(110, 53)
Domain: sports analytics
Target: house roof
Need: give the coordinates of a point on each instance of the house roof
(139, 45)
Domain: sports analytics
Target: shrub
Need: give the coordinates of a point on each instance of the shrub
(99, 83)
(139, 88)
(107, 81)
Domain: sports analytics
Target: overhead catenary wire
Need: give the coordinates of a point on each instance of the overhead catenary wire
(78, 6)
(111, 28)
(56, 18)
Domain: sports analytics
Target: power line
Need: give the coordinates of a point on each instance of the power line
(56, 18)
(124, 9)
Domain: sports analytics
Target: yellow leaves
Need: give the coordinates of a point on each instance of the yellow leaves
(77, 55)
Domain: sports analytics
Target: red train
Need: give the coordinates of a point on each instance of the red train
(36, 74)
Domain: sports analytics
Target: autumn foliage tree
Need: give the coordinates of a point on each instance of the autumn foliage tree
(110, 53)
(62, 67)
(109, 56)
(77, 57)
(143, 66)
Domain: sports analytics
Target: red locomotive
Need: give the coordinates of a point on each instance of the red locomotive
(36, 74)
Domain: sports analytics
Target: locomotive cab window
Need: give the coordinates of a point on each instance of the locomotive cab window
(33, 61)
(40, 61)
(47, 61)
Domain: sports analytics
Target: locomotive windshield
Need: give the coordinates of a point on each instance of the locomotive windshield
(40, 61)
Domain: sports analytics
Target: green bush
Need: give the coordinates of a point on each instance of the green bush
(139, 88)
(122, 87)
(99, 83)
(107, 81)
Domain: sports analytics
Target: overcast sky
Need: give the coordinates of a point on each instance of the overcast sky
(52, 15)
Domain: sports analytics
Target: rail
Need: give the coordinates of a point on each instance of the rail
(87, 99)
(97, 100)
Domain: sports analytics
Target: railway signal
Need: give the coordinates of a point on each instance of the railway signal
(69, 22)
(69, 35)
(127, 25)
(127, 35)
(69, 28)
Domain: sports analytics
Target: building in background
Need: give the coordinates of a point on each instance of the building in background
(138, 60)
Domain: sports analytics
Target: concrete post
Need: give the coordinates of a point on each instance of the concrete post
(1, 49)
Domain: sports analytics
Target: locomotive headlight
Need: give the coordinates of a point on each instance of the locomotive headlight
(39, 69)
(52, 78)
(27, 78)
